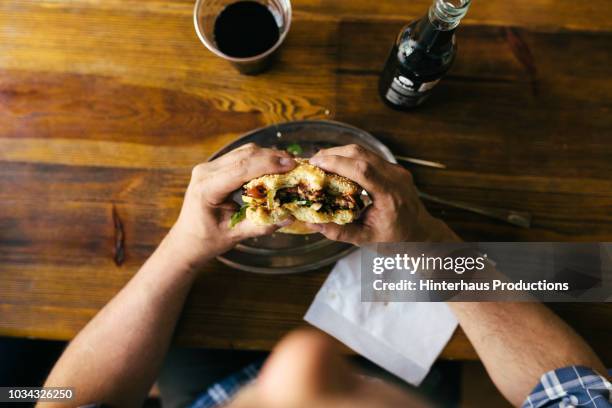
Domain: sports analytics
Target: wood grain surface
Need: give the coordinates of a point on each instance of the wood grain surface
(110, 103)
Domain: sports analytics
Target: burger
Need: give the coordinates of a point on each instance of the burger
(306, 193)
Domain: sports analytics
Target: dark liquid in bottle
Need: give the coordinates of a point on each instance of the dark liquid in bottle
(245, 29)
(420, 57)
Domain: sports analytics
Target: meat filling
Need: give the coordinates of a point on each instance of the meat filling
(318, 199)
(345, 201)
(258, 191)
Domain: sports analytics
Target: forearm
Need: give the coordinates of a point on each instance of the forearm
(518, 342)
(117, 356)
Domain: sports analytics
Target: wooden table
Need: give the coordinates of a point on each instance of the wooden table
(111, 102)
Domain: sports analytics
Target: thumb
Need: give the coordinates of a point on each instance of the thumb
(355, 234)
(248, 229)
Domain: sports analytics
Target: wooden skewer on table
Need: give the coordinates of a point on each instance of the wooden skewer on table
(421, 162)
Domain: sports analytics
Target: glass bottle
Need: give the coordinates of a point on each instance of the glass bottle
(422, 54)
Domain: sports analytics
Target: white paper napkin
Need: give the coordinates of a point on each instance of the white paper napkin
(403, 338)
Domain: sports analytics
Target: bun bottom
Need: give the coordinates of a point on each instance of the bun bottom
(302, 215)
(297, 228)
(261, 216)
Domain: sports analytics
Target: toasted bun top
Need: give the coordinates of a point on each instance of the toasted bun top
(313, 177)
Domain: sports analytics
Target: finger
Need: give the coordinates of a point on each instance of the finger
(354, 151)
(231, 156)
(231, 177)
(247, 229)
(240, 153)
(355, 234)
(361, 171)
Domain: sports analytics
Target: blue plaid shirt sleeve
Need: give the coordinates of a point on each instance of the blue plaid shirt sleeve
(572, 386)
(222, 392)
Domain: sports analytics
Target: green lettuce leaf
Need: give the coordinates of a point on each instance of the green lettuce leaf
(238, 216)
(295, 149)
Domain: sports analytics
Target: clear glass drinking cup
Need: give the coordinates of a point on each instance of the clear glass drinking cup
(206, 12)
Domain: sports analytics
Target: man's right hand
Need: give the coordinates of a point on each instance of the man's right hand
(397, 214)
(203, 229)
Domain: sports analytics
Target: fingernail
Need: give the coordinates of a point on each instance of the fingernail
(286, 161)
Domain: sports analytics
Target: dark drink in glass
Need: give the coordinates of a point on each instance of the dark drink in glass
(245, 29)
(246, 33)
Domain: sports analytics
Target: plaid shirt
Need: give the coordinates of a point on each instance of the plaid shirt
(573, 386)
(567, 387)
(222, 392)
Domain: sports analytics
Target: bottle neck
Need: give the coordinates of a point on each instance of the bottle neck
(445, 15)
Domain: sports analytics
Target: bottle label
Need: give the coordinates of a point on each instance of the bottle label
(426, 86)
(405, 92)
